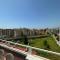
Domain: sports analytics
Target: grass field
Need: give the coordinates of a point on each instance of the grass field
(39, 43)
(49, 55)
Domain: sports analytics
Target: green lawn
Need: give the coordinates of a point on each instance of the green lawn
(39, 43)
(48, 55)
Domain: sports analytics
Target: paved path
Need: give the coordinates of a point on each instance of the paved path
(35, 57)
(58, 42)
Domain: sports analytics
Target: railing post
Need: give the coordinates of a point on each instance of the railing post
(9, 56)
(1, 54)
(7, 43)
(30, 50)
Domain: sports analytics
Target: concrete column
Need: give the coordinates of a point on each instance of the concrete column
(9, 33)
(1, 32)
(15, 34)
(9, 56)
(1, 54)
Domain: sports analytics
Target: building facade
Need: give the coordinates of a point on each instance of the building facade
(20, 32)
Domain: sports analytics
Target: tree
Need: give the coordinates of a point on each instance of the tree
(46, 45)
(25, 40)
(22, 34)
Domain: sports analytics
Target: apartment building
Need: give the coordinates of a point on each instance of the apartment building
(20, 32)
(7, 32)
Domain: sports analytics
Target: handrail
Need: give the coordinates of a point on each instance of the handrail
(56, 53)
(28, 55)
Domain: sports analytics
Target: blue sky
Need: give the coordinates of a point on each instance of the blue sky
(29, 13)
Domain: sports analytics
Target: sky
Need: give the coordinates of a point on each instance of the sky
(29, 13)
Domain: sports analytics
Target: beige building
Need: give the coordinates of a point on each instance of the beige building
(7, 32)
(20, 32)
